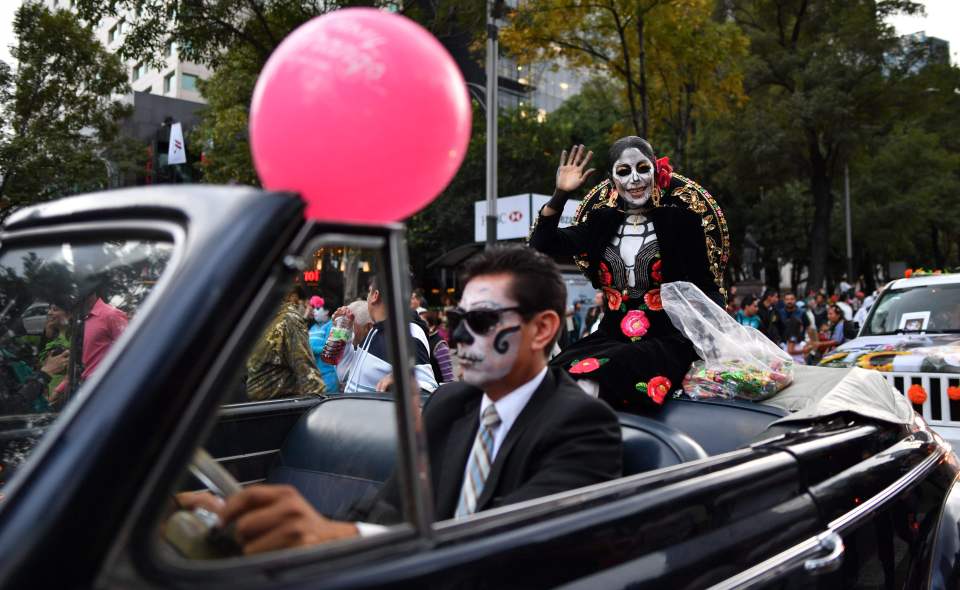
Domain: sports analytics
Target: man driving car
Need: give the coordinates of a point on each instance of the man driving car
(513, 430)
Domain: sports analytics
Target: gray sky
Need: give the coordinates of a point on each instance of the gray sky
(942, 20)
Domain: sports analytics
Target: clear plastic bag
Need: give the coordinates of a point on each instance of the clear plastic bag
(737, 361)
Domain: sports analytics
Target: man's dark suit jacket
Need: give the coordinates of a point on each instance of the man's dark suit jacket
(563, 439)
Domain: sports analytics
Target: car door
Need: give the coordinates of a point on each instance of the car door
(72, 495)
(879, 490)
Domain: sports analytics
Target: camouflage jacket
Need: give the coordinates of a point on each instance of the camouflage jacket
(282, 363)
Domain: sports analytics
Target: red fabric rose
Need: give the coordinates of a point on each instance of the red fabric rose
(658, 388)
(587, 365)
(652, 299)
(656, 271)
(614, 298)
(635, 324)
(606, 279)
(664, 172)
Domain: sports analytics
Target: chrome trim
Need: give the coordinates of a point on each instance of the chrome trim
(247, 455)
(799, 554)
(832, 543)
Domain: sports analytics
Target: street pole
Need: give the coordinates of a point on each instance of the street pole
(846, 196)
(491, 108)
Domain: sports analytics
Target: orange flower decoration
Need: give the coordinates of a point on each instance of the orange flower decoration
(652, 299)
(614, 298)
(953, 393)
(917, 394)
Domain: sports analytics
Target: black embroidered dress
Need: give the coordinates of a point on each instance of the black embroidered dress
(636, 354)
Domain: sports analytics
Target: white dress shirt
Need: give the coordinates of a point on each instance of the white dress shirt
(508, 407)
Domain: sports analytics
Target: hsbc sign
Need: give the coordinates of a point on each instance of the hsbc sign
(515, 214)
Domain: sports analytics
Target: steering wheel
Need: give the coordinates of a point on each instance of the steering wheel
(197, 533)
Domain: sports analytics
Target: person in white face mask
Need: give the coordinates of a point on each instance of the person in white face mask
(641, 228)
(319, 331)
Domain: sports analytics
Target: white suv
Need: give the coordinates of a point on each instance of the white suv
(913, 335)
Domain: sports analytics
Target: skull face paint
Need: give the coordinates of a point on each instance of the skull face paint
(489, 357)
(633, 174)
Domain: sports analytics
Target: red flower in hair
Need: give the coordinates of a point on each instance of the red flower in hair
(664, 172)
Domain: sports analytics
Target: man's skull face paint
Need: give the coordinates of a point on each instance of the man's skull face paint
(633, 175)
(487, 358)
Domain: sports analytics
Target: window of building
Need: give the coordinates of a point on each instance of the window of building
(112, 34)
(188, 82)
(139, 71)
(171, 48)
(168, 82)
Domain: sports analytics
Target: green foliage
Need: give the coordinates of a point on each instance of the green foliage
(59, 112)
(224, 122)
(673, 61)
(235, 38)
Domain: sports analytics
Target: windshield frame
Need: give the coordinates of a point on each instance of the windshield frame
(888, 292)
(133, 229)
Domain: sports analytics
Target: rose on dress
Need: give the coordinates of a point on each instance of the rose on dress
(652, 299)
(614, 298)
(635, 324)
(656, 272)
(587, 365)
(606, 278)
(658, 388)
(664, 172)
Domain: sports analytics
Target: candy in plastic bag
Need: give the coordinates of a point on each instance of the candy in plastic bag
(737, 361)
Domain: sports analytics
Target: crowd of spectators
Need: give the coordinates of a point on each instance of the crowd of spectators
(807, 328)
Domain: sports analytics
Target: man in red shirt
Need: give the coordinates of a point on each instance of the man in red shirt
(102, 326)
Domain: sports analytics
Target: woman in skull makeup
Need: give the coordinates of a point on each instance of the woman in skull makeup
(628, 245)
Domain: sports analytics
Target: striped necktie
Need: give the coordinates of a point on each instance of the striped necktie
(478, 466)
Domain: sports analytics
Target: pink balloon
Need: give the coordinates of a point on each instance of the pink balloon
(363, 113)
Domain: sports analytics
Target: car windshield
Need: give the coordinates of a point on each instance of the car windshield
(62, 307)
(929, 308)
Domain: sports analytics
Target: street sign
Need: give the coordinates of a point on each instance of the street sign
(516, 214)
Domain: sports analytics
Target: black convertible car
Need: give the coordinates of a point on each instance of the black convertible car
(155, 298)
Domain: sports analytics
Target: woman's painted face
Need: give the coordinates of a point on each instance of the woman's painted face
(488, 357)
(633, 175)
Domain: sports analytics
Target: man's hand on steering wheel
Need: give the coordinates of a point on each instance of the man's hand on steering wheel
(272, 517)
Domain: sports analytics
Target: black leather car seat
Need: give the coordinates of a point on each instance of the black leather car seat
(345, 448)
(341, 450)
(718, 426)
(649, 444)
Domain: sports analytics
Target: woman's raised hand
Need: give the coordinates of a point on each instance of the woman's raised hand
(570, 174)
